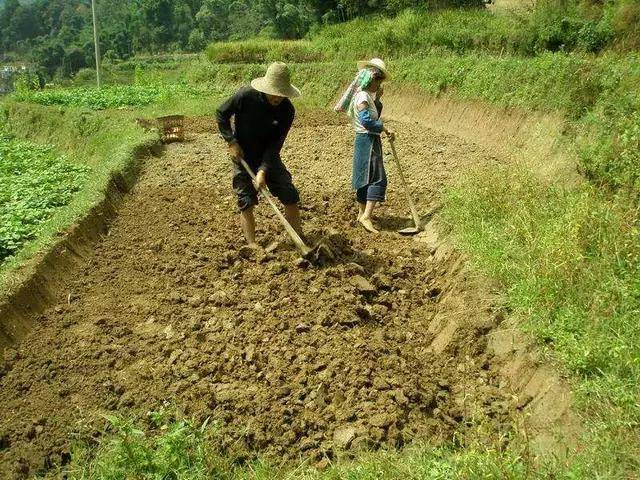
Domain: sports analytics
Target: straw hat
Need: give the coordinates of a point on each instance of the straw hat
(277, 81)
(375, 63)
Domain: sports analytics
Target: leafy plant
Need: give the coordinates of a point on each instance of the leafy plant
(116, 96)
(34, 181)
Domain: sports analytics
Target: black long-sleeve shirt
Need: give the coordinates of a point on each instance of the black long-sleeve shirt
(260, 128)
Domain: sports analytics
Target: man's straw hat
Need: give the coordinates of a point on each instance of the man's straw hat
(277, 81)
(375, 63)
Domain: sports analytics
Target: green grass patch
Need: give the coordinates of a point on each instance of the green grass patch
(35, 181)
(161, 447)
(114, 96)
(415, 34)
(569, 260)
(262, 50)
(549, 26)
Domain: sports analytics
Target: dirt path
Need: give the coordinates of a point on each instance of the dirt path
(292, 362)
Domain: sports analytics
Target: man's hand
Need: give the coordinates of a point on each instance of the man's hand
(261, 180)
(235, 150)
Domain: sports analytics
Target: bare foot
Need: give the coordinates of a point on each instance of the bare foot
(367, 224)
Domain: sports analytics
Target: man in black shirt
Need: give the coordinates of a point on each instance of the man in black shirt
(263, 115)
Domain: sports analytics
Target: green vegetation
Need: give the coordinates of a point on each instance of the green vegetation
(570, 263)
(56, 36)
(552, 26)
(164, 447)
(109, 97)
(34, 182)
(264, 51)
(106, 145)
(568, 256)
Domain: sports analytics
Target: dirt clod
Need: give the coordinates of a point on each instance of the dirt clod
(343, 437)
(362, 284)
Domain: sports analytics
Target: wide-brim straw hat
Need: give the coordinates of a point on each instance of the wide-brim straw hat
(277, 81)
(375, 63)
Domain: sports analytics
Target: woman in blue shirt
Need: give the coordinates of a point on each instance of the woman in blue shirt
(369, 179)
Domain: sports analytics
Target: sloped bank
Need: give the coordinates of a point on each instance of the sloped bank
(114, 147)
(565, 252)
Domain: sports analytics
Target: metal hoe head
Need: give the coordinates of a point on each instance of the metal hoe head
(409, 231)
(319, 255)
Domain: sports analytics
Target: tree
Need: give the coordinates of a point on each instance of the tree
(73, 61)
(290, 18)
(213, 19)
(8, 38)
(49, 56)
(197, 40)
(244, 21)
(183, 24)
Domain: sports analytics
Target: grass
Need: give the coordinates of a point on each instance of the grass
(163, 446)
(549, 26)
(262, 51)
(569, 260)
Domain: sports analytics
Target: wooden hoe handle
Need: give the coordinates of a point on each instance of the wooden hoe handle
(412, 205)
(304, 250)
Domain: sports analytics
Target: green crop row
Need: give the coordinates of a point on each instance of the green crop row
(114, 96)
(35, 180)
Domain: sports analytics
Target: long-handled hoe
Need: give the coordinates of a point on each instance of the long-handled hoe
(414, 211)
(319, 254)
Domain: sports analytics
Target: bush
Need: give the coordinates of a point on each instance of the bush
(263, 51)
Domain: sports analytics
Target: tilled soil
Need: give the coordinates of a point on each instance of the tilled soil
(293, 362)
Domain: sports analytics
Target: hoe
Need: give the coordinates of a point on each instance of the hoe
(414, 211)
(319, 254)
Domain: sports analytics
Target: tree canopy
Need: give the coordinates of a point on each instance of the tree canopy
(57, 35)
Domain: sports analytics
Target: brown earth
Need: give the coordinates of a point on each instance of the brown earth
(385, 346)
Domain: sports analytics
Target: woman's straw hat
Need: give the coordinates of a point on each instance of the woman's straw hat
(277, 81)
(375, 63)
